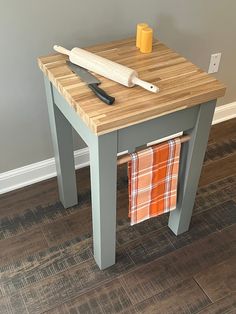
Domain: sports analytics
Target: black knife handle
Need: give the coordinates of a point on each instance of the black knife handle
(101, 94)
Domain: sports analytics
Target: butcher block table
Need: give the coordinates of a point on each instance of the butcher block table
(186, 102)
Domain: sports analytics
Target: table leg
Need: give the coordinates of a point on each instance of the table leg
(192, 156)
(61, 131)
(103, 167)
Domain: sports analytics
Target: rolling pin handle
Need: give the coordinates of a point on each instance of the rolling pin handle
(61, 50)
(148, 86)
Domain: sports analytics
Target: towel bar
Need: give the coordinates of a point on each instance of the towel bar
(125, 158)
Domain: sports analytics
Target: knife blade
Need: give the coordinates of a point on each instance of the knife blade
(92, 83)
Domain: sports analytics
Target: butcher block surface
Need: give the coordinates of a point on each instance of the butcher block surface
(182, 85)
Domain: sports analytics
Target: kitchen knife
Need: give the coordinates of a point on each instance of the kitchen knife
(92, 82)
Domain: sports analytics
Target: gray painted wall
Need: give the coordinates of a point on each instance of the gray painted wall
(30, 28)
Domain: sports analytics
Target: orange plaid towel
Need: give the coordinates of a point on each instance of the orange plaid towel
(153, 178)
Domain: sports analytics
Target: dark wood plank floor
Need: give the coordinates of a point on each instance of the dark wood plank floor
(47, 266)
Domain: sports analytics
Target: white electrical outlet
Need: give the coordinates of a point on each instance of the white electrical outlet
(214, 63)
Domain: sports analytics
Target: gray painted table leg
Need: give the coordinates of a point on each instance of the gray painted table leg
(192, 156)
(61, 131)
(103, 167)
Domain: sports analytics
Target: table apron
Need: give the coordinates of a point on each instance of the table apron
(136, 135)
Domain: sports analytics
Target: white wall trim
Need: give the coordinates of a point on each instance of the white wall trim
(224, 113)
(39, 171)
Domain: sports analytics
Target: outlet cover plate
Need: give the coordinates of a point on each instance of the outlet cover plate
(214, 63)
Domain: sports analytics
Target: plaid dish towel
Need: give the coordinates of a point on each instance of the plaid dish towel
(153, 178)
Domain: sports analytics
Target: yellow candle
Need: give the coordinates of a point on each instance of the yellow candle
(146, 40)
(140, 27)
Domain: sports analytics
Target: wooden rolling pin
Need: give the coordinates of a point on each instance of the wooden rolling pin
(107, 68)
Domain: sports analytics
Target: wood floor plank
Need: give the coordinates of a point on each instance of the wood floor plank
(224, 166)
(108, 298)
(77, 224)
(25, 244)
(40, 194)
(219, 280)
(12, 305)
(58, 310)
(168, 270)
(153, 224)
(221, 216)
(29, 219)
(222, 131)
(32, 269)
(207, 222)
(217, 185)
(217, 151)
(71, 253)
(76, 286)
(126, 234)
(56, 232)
(215, 193)
(51, 291)
(226, 305)
(148, 248)
(186, 297)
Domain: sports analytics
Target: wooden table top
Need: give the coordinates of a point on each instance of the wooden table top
(182, 85)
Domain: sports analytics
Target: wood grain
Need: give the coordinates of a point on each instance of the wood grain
(42, 198)
(209, 221)
(223, 131)
(199, 228)
(216, 152)
(148, 248)
(108, 298)
(215, 193)
(54, 290)
(184, 263)
(224, 215)
(181, 83)
(78, 224)
(39, 267)
(185, 297)
(220, 280)
(226, 165)
(16, 247)
(226, 305)
(12, 305)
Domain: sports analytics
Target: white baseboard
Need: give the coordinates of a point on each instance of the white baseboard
(224, 113)
(39, 171)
